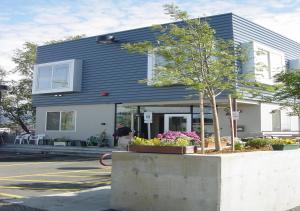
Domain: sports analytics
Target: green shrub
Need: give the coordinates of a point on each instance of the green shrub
(259, 142)
(238, 145)
(283, 141)
(93, 140)
(181, 141)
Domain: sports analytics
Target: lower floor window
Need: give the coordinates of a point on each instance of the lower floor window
(60, 121)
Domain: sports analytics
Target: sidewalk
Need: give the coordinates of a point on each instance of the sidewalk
(96, 199)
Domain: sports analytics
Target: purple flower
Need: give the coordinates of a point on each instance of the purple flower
(171, 136)
(193, 135)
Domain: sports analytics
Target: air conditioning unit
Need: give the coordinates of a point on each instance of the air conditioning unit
(294, 64)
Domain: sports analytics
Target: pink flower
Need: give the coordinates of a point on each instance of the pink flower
(171, 136)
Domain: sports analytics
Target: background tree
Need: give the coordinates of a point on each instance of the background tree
(288, 91)
(16, 104)
(195, 58)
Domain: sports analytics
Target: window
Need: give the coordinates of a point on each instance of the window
(154, 61)
(60, 76)
(263, 70)
(276, 119)
(263, 62)
(60, 121)
(55, 77)
(53, 119)
(43, 78)
(277, 63)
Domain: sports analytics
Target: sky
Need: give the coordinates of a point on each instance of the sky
(43, 20)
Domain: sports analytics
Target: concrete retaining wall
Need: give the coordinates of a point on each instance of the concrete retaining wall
(260, 181)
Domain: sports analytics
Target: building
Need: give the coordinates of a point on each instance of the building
(83, 87)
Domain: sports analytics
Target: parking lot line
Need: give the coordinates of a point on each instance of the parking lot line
(38, 163)
(70, 176)
(24, 164)
(57, 173)
(11, 195)
(49, 181)
(54, 189)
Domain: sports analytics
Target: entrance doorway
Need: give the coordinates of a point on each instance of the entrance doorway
(177, 122)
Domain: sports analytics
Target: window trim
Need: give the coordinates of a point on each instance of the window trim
(70, 88)
(60, 130)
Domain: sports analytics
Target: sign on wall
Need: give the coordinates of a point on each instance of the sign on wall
(235, 115)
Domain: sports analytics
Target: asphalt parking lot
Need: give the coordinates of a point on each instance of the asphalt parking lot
(28, 176)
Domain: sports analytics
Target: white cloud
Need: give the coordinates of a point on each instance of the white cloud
(94, 17)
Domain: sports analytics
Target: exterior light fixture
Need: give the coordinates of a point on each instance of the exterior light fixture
(106, 39)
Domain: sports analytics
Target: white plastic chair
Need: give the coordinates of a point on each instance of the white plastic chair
(18, 139)
(25, 138)
(37, 138)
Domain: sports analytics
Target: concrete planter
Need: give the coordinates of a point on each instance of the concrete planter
(163, 149)
(280, 147)
(250, 181)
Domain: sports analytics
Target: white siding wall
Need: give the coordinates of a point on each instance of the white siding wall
(288, 123)
(266, 116)
(249, 118)
(88, 121)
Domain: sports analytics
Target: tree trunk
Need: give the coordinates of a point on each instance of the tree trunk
(216, 123)
(23, 126)
(20, 122)
(231, 124)
(202, 121)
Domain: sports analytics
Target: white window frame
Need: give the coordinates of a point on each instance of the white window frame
(188, 121)
(70, 88)
(60, 130)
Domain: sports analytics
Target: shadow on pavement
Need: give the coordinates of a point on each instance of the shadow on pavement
(17, 207)
(40, 186)
(43, 157)
(91, 200)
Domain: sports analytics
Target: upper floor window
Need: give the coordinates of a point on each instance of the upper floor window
(54, 77)
(154, 61)
(263, 67)
(263, 62)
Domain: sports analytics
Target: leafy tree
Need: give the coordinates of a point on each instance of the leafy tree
(17, 102)
(195, 58)
(25, 59)
(288, 91)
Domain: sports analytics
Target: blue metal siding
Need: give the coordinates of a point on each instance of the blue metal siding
(245, 31)
(112, 69)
